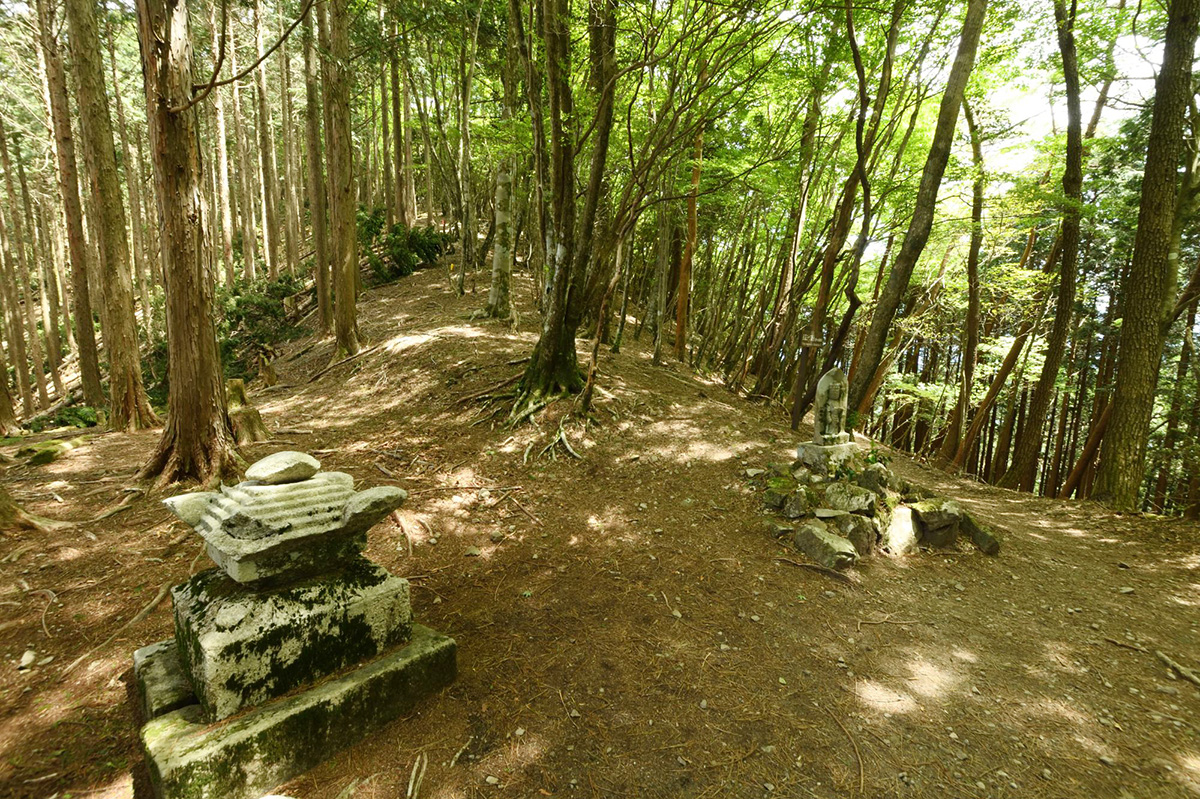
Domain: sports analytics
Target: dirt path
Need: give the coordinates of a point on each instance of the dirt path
(628, 628)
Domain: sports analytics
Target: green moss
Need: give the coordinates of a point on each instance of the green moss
(781, 484)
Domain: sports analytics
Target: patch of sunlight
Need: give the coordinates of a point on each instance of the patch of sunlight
(965, 656)
(401, 343)
(1190, 602)
(1189, 775)
(119, 788)
(1066, 711)
(931, 679)
(884, 699)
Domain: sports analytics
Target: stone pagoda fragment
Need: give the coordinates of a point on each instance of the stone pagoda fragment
(296, 646)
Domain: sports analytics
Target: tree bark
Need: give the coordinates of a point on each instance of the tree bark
(341, 176)
(316, 176)
(197, 442)
(1147, 290)
(129, 409)
(68, 184)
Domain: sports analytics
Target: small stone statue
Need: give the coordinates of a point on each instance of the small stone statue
(829, 416)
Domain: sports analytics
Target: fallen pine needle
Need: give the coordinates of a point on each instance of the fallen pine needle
(143, 613)
(854, 743)
(1123, 645)
(1183, 671)
(459, 753)
(818, 569)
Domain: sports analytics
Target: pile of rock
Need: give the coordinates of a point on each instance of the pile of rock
(839, 504)
(295, 647)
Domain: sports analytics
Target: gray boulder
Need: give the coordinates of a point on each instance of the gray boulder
(829, 549)
(984, 538)
(858, 530)
(367, 507)
(937, 522)
(876, 478)
(283, 467)
(849, 497)
(797, 504)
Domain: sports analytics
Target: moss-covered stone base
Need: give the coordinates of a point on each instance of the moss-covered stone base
(246, 756)
(240, 647)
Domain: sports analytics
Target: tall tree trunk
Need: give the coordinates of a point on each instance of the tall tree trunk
(922, 218)
(970, 350)
(1147, 291)
(25, 314)
(129, 409)
(197, 442)
(1026, 452)
(245, 168)
(466, 197)
(266, 151)
(683, 294)
(68, 184)
(133, 180)
(1172, 434)
(226, 208)
(291, 177)
(341, 175)
(499, 305)
(316, 176)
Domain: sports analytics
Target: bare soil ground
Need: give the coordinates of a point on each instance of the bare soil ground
(628, 627)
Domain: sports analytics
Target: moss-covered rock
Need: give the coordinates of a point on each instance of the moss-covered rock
(937, 522)
(984, 538)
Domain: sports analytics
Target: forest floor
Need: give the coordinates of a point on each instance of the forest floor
(628, 627)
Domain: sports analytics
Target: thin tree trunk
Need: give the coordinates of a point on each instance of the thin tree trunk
(954, 429)
(68, 183)
(291, 179)
(24, 315)
(1028, 445)
(341, 175)
(316, 176)
(245, 169)
(1173, 434)
(922, 219)
(266, 151)
(133, 181)
(225, 207)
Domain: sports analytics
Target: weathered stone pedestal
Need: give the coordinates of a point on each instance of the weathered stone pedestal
(824, 458)
(295, 648)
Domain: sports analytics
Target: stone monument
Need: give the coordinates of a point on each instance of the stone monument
(295, 647)
(831, 444)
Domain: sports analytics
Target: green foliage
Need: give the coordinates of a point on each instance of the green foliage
(70, 416)
(369, 225)
(404, 250)
(253, 320)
